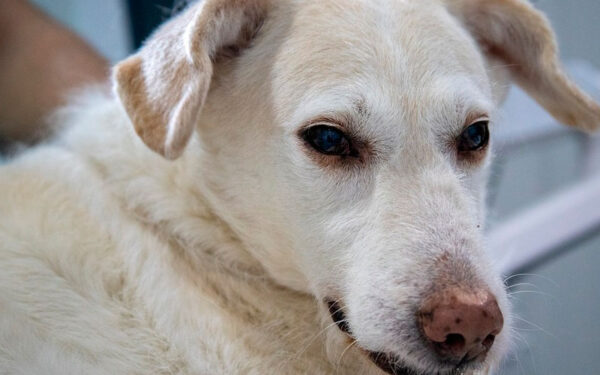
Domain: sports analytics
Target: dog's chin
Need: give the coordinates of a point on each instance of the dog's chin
(392, 364)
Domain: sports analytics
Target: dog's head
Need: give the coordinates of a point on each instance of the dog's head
(345, 142)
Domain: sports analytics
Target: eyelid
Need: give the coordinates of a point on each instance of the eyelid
(324, 122)
(478, 120)
(337, 120)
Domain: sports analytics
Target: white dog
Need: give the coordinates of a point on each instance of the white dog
(313, 204)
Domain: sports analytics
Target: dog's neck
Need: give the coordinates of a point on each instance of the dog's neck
(166, 196)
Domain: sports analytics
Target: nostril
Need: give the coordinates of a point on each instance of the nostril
(455, 342)
(453, 345)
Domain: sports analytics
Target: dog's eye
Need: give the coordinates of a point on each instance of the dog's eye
(474, 138)
(328, 140)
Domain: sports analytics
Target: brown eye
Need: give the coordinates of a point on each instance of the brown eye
(474, 138)
(328, 140)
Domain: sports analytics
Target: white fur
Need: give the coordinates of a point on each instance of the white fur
(114, 260)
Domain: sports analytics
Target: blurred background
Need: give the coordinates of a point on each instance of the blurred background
(544, 201)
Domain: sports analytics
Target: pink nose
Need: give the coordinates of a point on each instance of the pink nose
(460, 324)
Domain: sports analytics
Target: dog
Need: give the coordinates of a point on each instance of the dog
(277, 187)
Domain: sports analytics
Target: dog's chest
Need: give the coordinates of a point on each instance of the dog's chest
(237, 326)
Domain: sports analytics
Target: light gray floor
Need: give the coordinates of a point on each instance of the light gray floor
(558, 308)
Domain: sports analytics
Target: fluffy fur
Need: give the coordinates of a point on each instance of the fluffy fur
(116, 260)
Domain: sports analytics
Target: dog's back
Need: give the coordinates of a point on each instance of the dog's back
(64, 293)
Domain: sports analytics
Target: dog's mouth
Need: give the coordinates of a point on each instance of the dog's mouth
(386, 362)
(389, 363)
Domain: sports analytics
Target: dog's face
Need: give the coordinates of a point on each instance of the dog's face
(346, 144)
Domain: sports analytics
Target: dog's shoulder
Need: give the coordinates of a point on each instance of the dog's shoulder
(63, 294)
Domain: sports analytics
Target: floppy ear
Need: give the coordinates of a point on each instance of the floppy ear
(520, 36)
(164, 85)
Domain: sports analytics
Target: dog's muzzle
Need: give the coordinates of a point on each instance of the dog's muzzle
(458, 327)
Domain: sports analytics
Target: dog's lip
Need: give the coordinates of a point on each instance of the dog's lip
(338, 317)
(388, 363)
(385, 362)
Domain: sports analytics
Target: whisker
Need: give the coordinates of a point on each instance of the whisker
(521, 284)
(531, 275)
(529, 351)
(312, 339)
(339, 362)
(535, 326)
(522, 339)
(537, 292)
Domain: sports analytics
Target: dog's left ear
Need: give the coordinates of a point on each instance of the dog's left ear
(520, 36)
(164, 85)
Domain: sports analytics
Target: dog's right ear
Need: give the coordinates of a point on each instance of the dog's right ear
(164, 85)
(514, 32)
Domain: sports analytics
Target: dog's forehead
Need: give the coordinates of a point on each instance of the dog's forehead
(395, 54)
